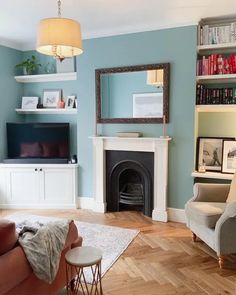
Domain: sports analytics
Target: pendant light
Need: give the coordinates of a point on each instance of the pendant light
(59, 37)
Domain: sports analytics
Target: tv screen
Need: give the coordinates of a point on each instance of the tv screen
(38, 140)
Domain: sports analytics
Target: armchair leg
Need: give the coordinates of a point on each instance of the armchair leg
(194, 237)
(221, 261)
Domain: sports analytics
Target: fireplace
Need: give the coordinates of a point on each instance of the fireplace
(129, 181)
(157, 149)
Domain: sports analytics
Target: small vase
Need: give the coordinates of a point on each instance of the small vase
(27, 71)
(61, 104)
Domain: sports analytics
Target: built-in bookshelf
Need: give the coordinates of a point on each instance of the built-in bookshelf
(215, 77)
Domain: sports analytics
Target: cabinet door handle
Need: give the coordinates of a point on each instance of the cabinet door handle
(40, 169)
(35, 169)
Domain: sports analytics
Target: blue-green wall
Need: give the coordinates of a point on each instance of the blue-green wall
(176, 46)
(10, 92)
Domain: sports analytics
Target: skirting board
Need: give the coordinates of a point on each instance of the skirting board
(176, 215)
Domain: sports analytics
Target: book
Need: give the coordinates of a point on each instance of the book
(129, 134)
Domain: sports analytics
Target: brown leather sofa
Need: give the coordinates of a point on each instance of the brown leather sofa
(16, 275)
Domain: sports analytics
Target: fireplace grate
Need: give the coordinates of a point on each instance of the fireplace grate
(132, 194)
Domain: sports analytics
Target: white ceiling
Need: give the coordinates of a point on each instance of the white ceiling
(19, 18)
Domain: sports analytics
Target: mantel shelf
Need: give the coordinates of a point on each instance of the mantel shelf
(46, 111)
(213, 175)
(212, 79)
(47, 77)
(216, 108)
(217, 48)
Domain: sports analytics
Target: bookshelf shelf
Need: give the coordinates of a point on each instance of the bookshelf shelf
(217, 48)
(46, 111)
(212, 175)
(214, 79)
(46, 77)
(221, 108)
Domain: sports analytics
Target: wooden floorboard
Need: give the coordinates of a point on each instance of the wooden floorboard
(162, 259)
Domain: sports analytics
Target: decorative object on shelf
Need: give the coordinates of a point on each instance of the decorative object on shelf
(50, 68)
(229, 156)
(209, 153)
(155, 77)
(67, 66)
(39, 106)
(29, 102)
(148, 105)
(129, 134)
(70, 100)
(29, 65)
(61, 104)
(202, 168)
(63, 40)
(51, 98)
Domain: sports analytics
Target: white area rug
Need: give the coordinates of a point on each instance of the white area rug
(111, 240)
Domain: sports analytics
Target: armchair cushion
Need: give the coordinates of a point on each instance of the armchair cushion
(205, 213)
(232, 192)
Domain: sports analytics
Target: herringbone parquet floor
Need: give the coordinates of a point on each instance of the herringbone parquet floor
(161, 260)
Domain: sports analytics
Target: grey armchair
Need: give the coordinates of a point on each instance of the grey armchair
(212, 219)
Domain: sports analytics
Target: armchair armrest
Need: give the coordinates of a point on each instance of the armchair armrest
(225, 233)
(210, 192)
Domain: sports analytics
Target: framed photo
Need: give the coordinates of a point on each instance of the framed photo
(51, 98)
(70, 100)
(148, 105)
(29, 102)
(209, 153)
(229, 156)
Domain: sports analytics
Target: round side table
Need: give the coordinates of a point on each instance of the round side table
(76, 260)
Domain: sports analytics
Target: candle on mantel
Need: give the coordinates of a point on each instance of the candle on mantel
(164, 127)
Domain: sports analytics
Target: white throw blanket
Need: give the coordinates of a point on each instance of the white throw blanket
(43, 244)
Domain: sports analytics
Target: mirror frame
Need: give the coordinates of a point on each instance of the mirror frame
(99, 72)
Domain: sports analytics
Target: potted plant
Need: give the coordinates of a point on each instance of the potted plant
(29, 65)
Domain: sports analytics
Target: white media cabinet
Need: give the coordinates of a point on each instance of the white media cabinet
(38, 186)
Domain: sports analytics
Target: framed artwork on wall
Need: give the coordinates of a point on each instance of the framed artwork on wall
(209, 153)
(51, 98)
(229, 156)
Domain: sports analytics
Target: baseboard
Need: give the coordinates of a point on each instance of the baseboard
(85, 203)
(176, 215)
(38, 206)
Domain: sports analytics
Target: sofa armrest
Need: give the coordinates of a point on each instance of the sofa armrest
(225, 234)
(14, 268)
(210, 192)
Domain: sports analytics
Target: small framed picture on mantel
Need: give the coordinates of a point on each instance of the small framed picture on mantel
(29, 102)
(51, 98)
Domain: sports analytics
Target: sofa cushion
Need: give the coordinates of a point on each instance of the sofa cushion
(8, 235)
(205, 213)
(232, 192)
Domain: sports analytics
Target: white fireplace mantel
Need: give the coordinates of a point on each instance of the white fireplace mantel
(159, 146)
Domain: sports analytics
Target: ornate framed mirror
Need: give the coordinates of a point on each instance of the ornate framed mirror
(133, 94)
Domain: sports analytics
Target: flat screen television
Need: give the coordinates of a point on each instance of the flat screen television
(38, 140)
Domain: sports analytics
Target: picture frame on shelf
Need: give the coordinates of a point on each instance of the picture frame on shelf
(29, 102)
(70, 100)
(209, 153)
(229, 156)
(51, 97)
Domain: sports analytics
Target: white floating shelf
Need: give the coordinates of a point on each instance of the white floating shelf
(47, 77)
(47, 111)
(211, 79)
(214, 175)
(229, 108)
(217, 48)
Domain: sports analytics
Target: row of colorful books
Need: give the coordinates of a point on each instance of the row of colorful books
(216, 64)
(215, 95)
(217, 34)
